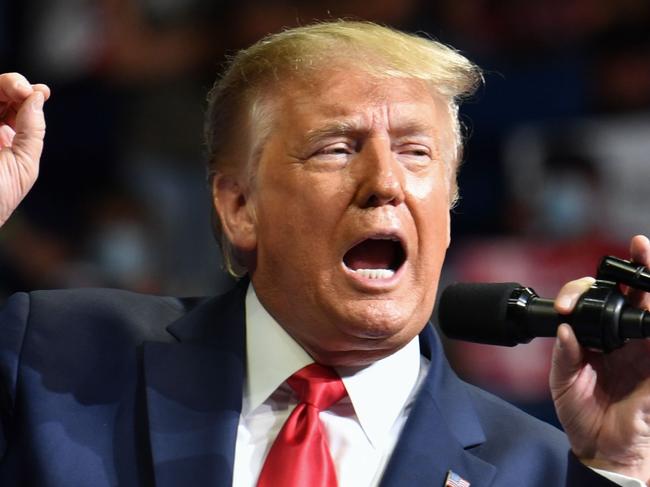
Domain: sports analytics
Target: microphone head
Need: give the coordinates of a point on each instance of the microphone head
(477, 312)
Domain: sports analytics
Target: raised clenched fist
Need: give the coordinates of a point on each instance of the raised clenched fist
(22, 129)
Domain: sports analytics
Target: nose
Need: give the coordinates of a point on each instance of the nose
(381, 176)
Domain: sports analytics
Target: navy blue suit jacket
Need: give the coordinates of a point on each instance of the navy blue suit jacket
(110, 388)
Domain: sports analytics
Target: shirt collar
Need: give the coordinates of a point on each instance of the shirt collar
(380, 392)
(272, 356)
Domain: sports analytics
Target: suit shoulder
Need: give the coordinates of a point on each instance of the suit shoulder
(119, 310)
(107, 297)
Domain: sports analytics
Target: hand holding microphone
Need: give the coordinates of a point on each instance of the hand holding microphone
(509, 314)
(601, 399)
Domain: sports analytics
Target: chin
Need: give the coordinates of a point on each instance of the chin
(379, 318)
(353, 357)
(366, 332)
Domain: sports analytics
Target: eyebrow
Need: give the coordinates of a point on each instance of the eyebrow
(339, 128)
(349, 127)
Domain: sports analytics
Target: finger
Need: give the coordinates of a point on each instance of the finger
(570, 293)
(8, 110)
(640, 250)
(30, 131)
(43, 88)
(567, 360)
(640, 253)
(6, 136)
(14, 87)
(7, 114)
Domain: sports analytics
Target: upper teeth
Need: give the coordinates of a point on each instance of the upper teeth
(375, 273)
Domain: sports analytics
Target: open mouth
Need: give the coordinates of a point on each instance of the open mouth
(376, 258)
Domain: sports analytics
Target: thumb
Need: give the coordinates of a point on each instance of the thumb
(27, 144)
(567, 360)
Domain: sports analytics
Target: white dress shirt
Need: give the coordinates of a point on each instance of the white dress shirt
(362, 429)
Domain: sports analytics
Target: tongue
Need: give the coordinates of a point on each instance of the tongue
(371, 254)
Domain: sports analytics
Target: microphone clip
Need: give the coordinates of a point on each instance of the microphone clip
(602, 318)
(596, 318)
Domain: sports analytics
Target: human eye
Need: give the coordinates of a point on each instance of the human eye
(334, 151)
(416, 151)
(415, 154)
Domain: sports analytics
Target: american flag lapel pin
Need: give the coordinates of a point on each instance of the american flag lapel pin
(455, 480)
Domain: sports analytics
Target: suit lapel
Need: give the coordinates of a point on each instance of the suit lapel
(194, 394)
(441, 427)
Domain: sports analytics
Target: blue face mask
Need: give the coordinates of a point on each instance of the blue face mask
(122, 253)
(567, 206)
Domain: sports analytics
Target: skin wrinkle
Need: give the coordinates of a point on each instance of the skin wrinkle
(445, 148)
(308, 213)
(263, 110)
(359, 49)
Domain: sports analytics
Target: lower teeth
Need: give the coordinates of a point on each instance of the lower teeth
(375, 273)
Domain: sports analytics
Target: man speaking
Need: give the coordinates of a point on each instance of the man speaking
(333, 151)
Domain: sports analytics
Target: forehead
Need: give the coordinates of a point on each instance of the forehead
(353, 97)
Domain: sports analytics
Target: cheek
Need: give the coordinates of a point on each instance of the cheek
(430, 182)
(431, 199)
(297, 218)
(430, 191)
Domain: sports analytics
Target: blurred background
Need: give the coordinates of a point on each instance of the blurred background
(556, 165)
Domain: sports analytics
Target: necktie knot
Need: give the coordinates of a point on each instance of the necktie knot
(300, 455)
(317, 386)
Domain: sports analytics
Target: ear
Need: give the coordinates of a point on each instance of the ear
(232, 201)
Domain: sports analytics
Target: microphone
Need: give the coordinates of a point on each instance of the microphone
(509, 314)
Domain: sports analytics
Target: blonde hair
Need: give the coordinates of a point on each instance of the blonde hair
(237, 115)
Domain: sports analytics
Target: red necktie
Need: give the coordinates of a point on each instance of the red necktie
(299, 456)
